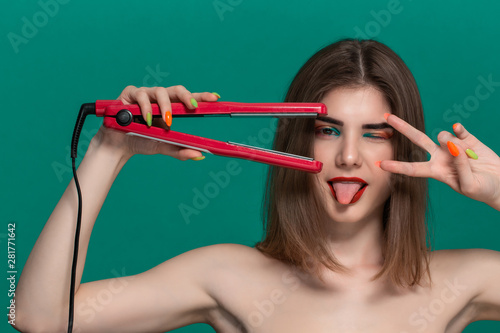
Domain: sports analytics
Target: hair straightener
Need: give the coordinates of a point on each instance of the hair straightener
(128, 118)
(121, 117)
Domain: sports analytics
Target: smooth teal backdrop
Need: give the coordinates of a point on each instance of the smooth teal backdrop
(58, 57)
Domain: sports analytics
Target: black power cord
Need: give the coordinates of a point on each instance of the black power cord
(85, 110)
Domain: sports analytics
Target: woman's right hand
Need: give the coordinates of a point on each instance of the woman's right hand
(144, 96)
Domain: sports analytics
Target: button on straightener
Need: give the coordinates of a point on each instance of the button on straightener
(121, 117)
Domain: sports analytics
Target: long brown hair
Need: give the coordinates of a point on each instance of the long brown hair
(294, 208)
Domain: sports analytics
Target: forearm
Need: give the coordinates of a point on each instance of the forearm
(43, 288)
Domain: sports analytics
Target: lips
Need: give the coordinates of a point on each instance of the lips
(347, 190)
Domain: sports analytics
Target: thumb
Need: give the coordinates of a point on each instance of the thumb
(179, 153)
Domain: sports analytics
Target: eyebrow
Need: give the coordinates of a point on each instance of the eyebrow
(364, 126)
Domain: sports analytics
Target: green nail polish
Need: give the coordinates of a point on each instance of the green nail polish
(471, 153)
(149, 119)
(199, 158)
(216, 94)
(194, 102)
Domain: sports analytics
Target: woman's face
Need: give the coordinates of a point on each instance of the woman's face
(349, 140)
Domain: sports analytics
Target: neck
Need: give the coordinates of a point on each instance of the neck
(357, 245)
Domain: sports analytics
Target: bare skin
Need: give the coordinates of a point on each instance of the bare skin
(235, 288)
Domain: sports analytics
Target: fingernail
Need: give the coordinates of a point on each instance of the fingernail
(199, 158)
(149, 119)
(471, 153)
(452, 148)
(168, 118)
(194, 102)
(455, 126)
(216, 94)
(378, 163)
(386, 115)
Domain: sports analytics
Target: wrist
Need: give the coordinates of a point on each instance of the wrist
(496, 204)
(112, 154)
(112, 142)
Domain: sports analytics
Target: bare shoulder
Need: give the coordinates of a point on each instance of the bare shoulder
(236, 269)
(470, 275)
(228, 260)
(236, 275)
(463, 261)
(213, 256)
(478, 270)
(230, 254)
(241, 257)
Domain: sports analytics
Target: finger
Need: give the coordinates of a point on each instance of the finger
(144, 102)
(460, 159)
(189, 154)
(163, 100)
(451, 143)
(465, 176)
(127, 95)
(179, 152)
(181, 94)
(413, 134)
(470, 141)
(206, 97)
(462, 164)
(445, 136)
(412, 169)
(464, 135)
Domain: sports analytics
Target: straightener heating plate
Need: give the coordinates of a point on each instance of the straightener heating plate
(273, 151)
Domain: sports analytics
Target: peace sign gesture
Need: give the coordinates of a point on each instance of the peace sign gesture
(479, 179)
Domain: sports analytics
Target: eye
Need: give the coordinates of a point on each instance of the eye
(378, 135)
(327, 131)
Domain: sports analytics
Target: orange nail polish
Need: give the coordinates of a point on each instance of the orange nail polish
(386, 115)
(168, 118)
(378, 163)
(452, 148)
(455, 126)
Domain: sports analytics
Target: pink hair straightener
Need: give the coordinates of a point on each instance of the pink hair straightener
(121, 117)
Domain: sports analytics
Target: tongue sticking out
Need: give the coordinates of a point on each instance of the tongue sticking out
(345, 191)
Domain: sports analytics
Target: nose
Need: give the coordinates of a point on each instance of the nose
(348, 154)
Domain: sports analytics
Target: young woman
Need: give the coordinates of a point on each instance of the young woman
(345, 250)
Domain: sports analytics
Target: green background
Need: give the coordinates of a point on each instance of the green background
(247, 51)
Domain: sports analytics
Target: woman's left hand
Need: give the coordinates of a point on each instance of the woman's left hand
(478, 179)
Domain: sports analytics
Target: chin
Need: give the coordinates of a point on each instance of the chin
(367, 207)
(346, 215)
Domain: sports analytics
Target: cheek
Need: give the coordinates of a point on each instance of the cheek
(320, 151)
(384, 183)
(384, 178)
(381, 152)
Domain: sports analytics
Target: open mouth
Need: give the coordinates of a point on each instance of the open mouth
(347, 190)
